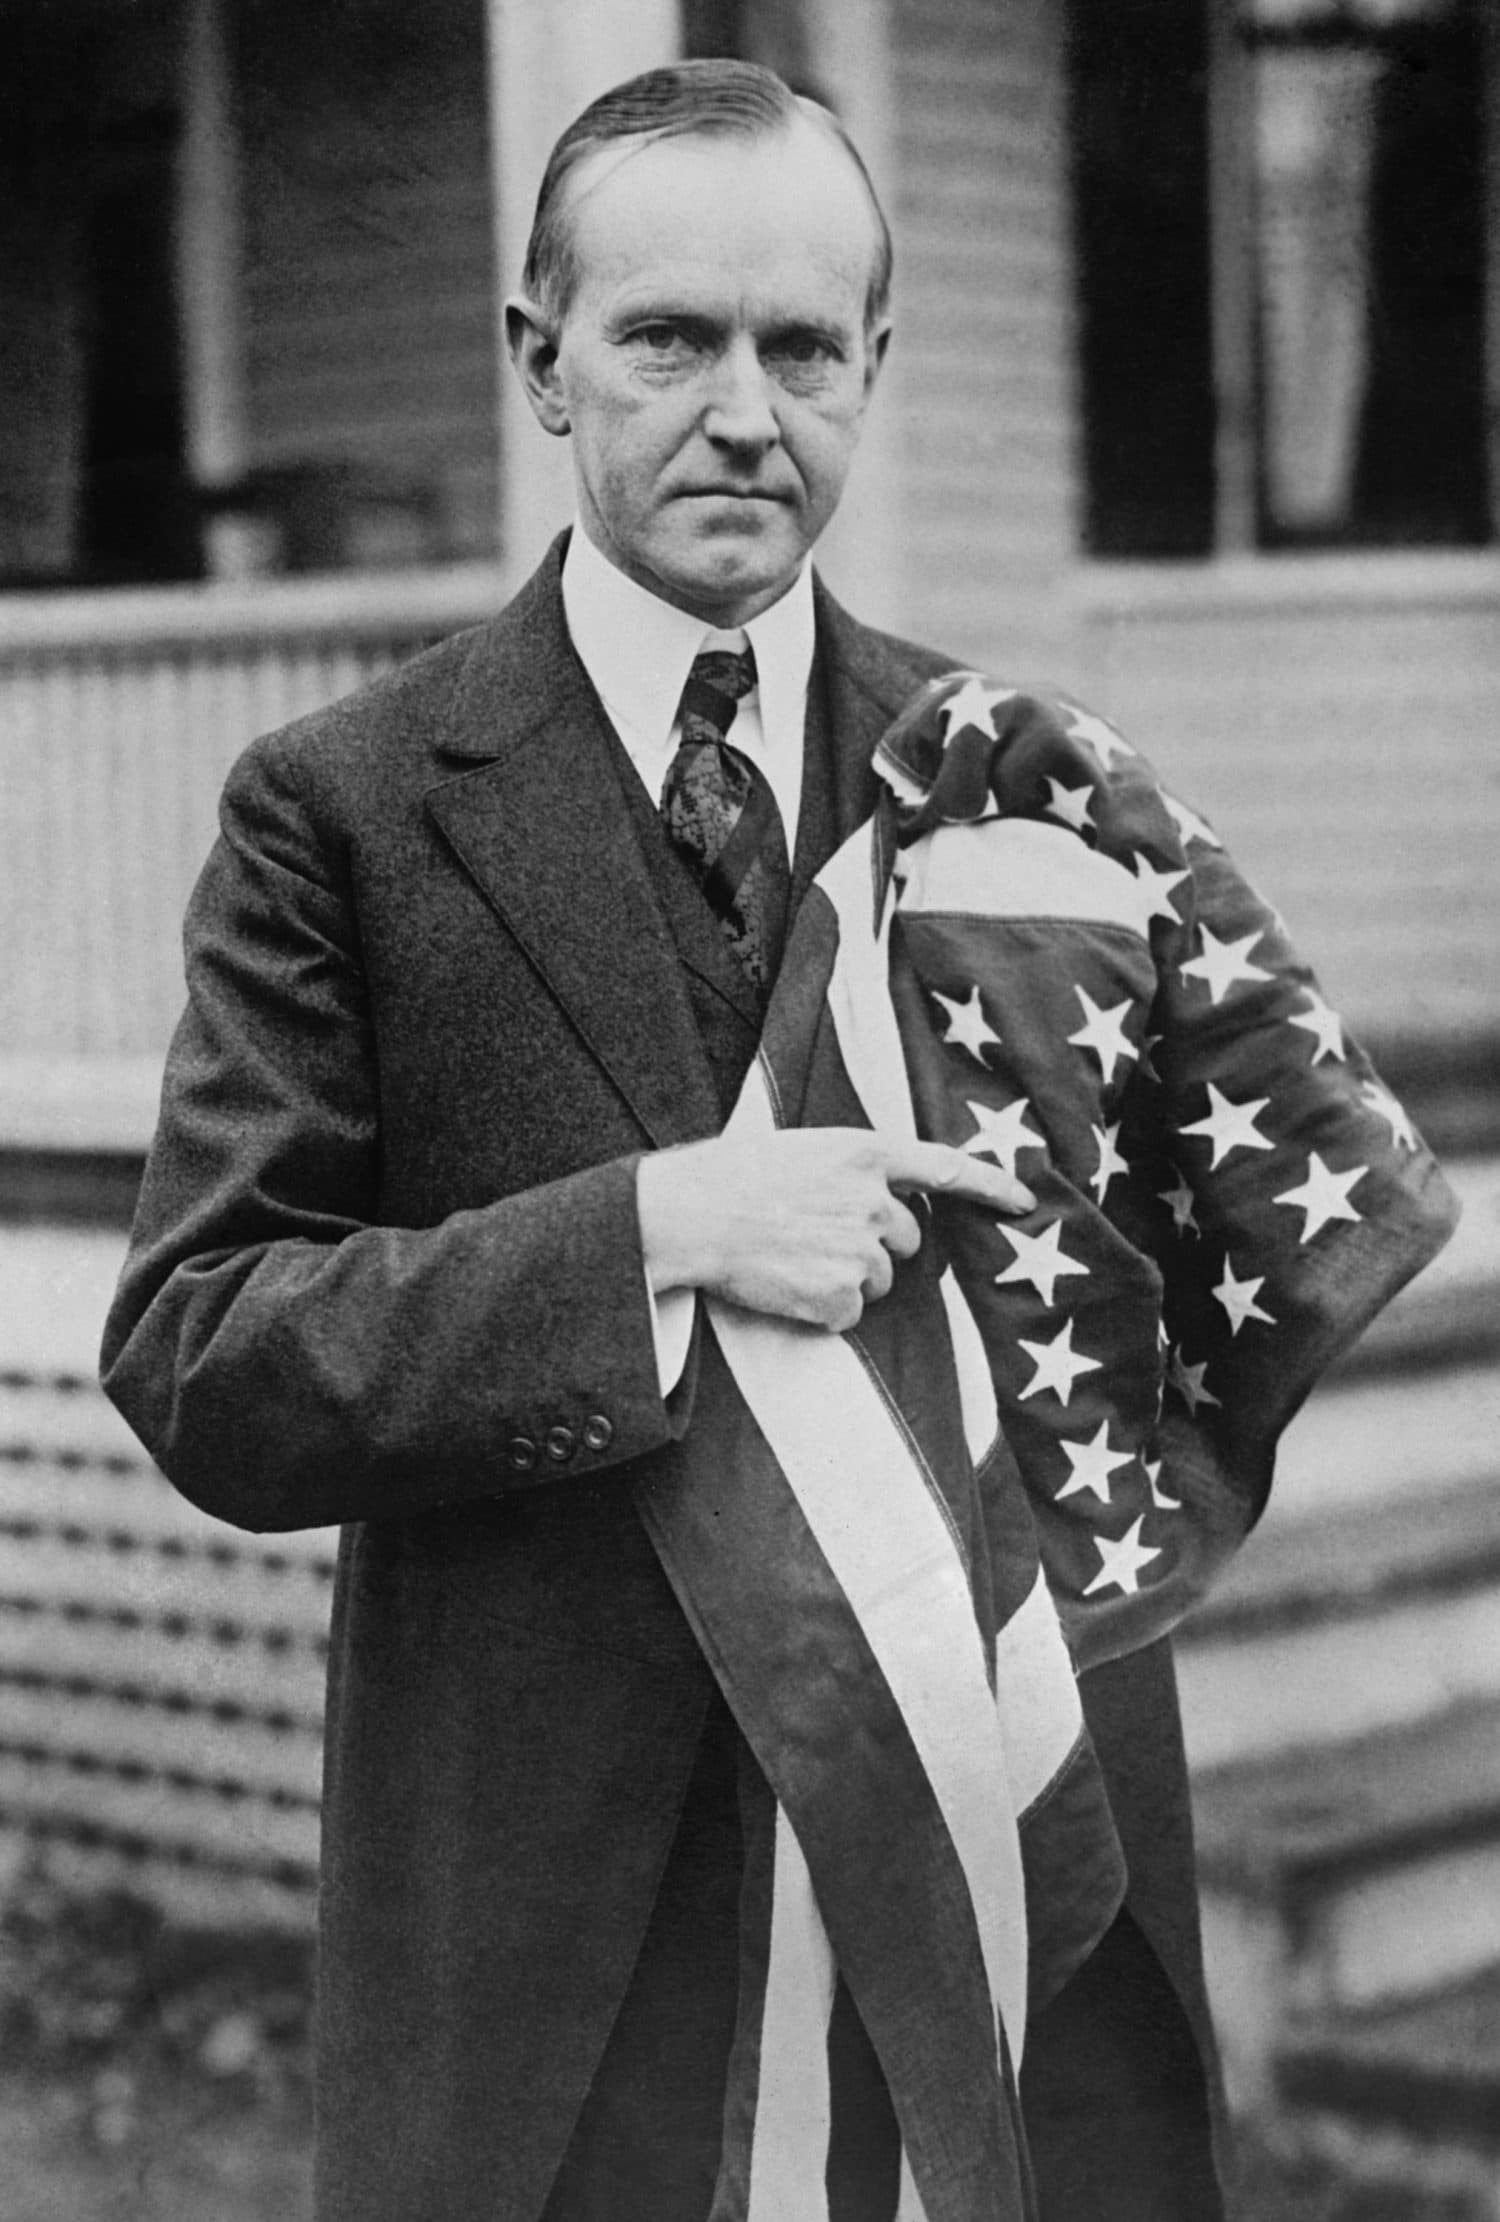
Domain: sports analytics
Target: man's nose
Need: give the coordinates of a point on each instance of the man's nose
(740, 412)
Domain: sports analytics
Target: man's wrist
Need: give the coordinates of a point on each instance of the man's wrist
(670, 1226)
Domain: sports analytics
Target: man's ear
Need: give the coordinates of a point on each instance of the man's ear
(876, 343)
(532, 344)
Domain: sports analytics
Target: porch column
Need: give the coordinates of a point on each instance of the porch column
(849, 59)
(547, 60)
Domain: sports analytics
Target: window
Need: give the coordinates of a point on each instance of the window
(1281, 246)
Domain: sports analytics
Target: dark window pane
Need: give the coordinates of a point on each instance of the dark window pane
(1138, 86)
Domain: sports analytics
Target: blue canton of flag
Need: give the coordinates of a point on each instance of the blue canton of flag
(1090, 994)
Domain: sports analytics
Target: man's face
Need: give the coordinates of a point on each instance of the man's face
(714, 365)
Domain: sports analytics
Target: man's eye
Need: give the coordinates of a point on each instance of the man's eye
(803, 348)
(662, 339)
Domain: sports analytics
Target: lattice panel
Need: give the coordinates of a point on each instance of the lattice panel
(161, 1675)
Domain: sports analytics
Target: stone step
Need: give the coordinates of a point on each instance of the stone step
(1416, 2085)
(1339, 1880)
(1334, 1628)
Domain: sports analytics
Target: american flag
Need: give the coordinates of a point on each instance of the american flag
(1057, 1423)
(1091, 994)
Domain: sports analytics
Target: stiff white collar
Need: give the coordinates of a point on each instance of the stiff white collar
(638, 651)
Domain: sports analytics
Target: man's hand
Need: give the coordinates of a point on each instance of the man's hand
(804, 1225)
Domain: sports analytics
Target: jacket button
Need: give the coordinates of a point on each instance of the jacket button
(521, 1453)
(561, 1444)
(597, 1431)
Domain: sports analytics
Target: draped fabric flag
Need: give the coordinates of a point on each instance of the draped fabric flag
(1060, 1423)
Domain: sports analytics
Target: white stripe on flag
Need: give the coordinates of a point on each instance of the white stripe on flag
(793, 2107)
(909, 2207)
(859, 991)
(1036, 1695)
(976, 1384)
(1017, 868)
(893, 1553)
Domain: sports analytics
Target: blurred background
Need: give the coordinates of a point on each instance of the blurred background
(1194, 408)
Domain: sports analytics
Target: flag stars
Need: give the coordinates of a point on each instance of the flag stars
(1180, 1201)
(1092, 1464)
(1099, 736)
(1110, 1161)
(1230, 1126)
(1323, 1024)
(1058, 1365)
(1073, 805)
(1188, 823)
(1188, 1381)
(1239, 1299)
(1323, 1196)
(973, 705)
(967, 1025)
(1038, 1258)
(1222, 963)
(1104, 1033)
(1384, 1104)
(1156, 888)
(1002, 1134)
(1122, 1563)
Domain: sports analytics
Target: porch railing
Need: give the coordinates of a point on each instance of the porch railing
(119, 715)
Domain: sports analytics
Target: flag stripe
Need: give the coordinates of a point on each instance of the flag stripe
(909, 2207)
(859, 988)
(1037, 1697)
(803, 1682)
(1018, 868)
(793, 2117)
(892, 1550)
(976, 1387)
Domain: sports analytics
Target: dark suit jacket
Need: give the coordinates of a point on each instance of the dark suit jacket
(387, 1272)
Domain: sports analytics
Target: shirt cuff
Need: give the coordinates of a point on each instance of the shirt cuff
(671, 1332)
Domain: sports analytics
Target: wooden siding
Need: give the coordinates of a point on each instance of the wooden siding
(980, 370)
(369, 312)
(1337, 717)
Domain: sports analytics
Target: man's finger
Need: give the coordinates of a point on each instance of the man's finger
(950, 1172)
(901, 1233)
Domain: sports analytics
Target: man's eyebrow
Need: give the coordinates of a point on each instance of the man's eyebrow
(807, 327)
(663, 308)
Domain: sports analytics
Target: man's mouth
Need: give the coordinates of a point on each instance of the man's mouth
(733, 493)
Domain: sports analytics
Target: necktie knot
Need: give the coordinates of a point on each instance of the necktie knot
(718, 681)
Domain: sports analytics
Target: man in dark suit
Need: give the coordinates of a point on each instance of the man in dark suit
(476, 970)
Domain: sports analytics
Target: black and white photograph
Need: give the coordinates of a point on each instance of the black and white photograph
(749, 1111)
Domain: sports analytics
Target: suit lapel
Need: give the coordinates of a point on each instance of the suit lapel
(542, 827)
(538, 812)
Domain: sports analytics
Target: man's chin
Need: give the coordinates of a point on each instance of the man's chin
(741, 573)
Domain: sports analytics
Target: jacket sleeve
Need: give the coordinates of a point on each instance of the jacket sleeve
(289, 1360)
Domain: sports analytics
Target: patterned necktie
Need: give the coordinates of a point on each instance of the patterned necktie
(722, 817)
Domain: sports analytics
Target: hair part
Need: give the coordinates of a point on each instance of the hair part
(703, 100)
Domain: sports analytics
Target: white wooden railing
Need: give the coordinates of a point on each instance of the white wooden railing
(1337, 716)
(119, 716)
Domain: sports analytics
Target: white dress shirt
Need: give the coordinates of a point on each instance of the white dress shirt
(638, 651)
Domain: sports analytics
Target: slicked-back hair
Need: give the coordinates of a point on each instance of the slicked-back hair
(705, 100)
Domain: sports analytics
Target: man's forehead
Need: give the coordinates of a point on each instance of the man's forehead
(690, 190)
